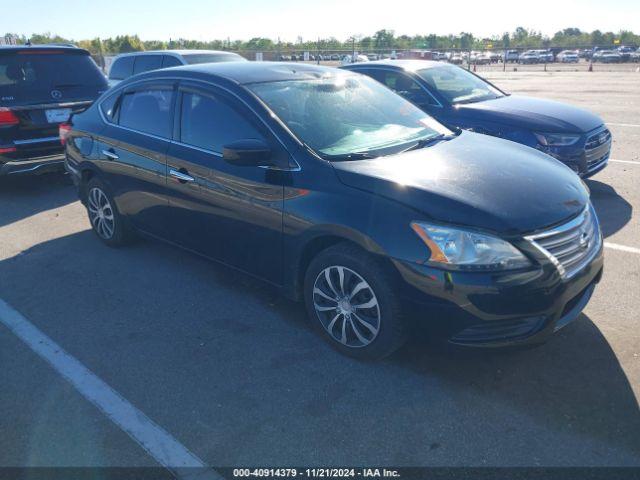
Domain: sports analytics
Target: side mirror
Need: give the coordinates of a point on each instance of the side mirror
(249, 152)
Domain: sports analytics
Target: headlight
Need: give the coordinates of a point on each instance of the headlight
(556, 139)
(465, 250)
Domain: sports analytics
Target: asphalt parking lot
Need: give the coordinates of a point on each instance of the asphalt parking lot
(233, 373)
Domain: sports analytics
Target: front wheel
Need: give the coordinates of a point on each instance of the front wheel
(351, 299)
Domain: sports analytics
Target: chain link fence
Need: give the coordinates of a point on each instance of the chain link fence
(602, 58)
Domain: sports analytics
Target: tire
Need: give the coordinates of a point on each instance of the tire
(369, 332)
(106, 222)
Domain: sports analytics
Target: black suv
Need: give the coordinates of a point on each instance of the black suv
(40, 87)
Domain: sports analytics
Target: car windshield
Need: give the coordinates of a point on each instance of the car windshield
(348, 117)
(194, 58)
(457, 85)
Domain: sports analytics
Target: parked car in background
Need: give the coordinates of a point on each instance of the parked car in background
(529, 57)
(625, 52)
(635, 56)
(585, 53)
(606, 56)
(482, 58)
(456, 59)
(568, 56)
(495, 56)
(347, 59)
(459, 98)
(512, 56)
(128, 64)
(252, 164)
(41, 86)
(545, 56)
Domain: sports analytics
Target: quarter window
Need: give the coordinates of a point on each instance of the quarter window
(108, 107)
(210, 123)
(148, 111)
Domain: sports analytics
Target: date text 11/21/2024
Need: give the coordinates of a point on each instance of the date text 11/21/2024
(316, 472)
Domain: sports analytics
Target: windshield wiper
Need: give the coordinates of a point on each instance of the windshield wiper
(425, 142)
(350, 156)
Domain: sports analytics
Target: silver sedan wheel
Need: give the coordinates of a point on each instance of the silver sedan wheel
(100, 213)
(346, 306)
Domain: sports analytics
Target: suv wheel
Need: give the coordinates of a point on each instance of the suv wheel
(350, 298)
(106, 221)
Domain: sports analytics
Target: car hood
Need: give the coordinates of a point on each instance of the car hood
(533, 114)
(474, 180)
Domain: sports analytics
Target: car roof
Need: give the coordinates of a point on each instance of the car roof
(248, 72)
(408, 65)
(49, 46)
(175, 53)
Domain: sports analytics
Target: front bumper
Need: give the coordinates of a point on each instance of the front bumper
(497, 309)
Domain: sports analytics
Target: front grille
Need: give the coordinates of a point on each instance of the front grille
(597, 148)
(571, 246)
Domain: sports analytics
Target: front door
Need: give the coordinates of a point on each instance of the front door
(227, 212)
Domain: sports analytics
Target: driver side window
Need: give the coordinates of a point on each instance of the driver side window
(404, 86)
(209, 123)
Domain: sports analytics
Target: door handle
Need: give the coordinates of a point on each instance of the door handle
(110, 154)
(182, 177)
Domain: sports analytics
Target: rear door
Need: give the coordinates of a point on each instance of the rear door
(39, 89)
(133, 149)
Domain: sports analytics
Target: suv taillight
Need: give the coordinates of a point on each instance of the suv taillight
(7, 117)
(63, 131)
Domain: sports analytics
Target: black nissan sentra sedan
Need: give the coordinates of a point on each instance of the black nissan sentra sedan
(340, 192)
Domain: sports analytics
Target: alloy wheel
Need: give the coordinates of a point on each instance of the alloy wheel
(346, 306)
(101, 213)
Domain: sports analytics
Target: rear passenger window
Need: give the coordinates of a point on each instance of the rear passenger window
(210, 123)
(122, 68)
(169, 61)
(144, 63)
(148, 111)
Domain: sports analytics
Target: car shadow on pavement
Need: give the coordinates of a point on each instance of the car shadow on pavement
(224, 363)
(573, 384)
(614, 212)
(24, 196)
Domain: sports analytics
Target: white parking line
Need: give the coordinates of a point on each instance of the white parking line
(623, 124)
(165, 449)
(622, 248)
(624, 161)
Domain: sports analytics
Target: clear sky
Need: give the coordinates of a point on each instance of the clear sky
(288, 19)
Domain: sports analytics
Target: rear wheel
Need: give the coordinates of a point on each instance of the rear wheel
(106, 221)
(350, 298)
